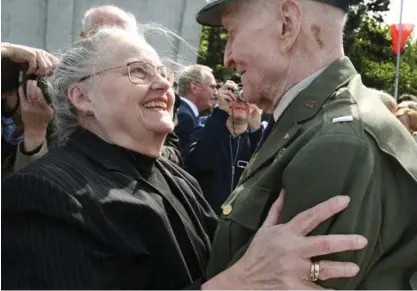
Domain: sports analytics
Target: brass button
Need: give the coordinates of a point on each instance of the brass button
(227, 209)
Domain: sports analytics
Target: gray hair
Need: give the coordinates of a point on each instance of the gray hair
(90, 14)
(193, 73)
(81, 60)
(408, 104)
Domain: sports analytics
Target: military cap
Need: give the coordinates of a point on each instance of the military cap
(210, 14)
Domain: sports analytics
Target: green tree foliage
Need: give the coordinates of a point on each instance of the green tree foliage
(211, 52)
(373, 57)
(367, 41)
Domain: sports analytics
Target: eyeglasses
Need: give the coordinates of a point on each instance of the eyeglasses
(140, 72)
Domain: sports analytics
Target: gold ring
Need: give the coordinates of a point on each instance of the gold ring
(314, 272)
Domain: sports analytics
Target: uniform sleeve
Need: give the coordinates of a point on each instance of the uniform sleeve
(337, 165)
(49, 243)
(22, 159)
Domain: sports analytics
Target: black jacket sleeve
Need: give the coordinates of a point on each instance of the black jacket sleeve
(207, 143)
(184, 130)
(255, 138)
(45, 226)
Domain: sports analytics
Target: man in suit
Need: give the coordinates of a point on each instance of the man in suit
(329, 134)
(198, 90)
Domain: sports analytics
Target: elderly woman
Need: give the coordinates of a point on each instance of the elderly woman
(106, 211)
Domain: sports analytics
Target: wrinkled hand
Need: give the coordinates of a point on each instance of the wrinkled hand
(40, 62)
(279, 255)
(36, 115)
(226, 94)
(255, 117)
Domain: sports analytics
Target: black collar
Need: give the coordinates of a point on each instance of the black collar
(110, 156)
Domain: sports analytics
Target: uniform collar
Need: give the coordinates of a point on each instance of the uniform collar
(192, 106)
(290, 95)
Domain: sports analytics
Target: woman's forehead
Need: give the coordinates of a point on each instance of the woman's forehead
(129, 51)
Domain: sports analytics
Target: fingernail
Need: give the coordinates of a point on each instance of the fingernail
(344, 200)
(355, 269)
(362, 241)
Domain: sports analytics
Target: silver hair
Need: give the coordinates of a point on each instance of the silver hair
(193, 73)
(82, 59)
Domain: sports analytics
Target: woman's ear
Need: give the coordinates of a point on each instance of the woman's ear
(79, 98)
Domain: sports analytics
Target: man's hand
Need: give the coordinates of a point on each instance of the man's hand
(36, 115)
(255, 117)
(226, 95)
(40, 61)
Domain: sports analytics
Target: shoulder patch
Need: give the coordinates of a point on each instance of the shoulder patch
(345, 118)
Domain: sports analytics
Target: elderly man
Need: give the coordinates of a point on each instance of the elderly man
(107, 15)
(329, 134)
(198, 90)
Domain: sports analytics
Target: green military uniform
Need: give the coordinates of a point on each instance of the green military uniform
(336, 137)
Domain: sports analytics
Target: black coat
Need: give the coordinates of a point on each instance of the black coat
(84, 217)
(187, 124)
(217, 159)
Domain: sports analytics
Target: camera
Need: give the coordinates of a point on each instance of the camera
(41, 82)
(238, 93)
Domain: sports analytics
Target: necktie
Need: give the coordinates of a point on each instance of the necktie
(266, 132)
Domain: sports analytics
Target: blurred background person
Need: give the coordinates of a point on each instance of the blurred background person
(25, 112)
(106, 15)
(223, 147)
(408, 104)
(408, 118)
(198, 91)
(407, 97)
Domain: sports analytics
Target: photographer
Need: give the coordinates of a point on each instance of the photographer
(25, 112)
(224, 146)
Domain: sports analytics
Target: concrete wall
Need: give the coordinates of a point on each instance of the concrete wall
(54, 24)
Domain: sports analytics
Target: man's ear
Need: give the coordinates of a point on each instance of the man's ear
(79, 98)
(291, 13)
(194, 86)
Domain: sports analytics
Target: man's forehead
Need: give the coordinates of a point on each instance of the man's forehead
(228, 13)
(209, 76)
(212, 13)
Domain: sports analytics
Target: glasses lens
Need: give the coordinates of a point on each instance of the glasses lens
(141, 73)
